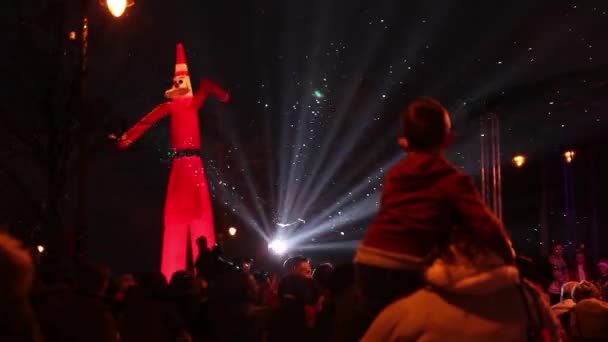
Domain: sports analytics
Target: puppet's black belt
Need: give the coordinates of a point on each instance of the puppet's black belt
(187, 153)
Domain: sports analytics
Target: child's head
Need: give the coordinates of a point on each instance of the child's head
(426, 126)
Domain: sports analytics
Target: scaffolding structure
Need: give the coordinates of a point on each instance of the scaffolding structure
(491, 176)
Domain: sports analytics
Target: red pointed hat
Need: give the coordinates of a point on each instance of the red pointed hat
(181, 66)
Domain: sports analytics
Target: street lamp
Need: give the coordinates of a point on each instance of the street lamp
(232, 231)
(117, 7)
(519, 160)
(569, 156)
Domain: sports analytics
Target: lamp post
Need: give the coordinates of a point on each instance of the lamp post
(491, 172)
(569, 197)
(117, 8)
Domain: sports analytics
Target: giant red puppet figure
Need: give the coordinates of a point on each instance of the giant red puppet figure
(188, 206)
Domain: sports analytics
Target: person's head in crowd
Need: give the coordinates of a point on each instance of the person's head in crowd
(342, 278)
(426, 126)
(217, 250)
(18, 320)
(602, 267)
(184, 283)
(558, 250)
(322, 275)
(201, 243)
(585, 290)
(298, 265)
(244, 264)
(154, 285)
(124, 282)
(234, 287)
(16, 269)
(566, 292)
(93, 278)
(297, 289)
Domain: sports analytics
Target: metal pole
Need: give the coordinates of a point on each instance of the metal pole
(499, 167)
(493, 162)
(594, 236)
(544, 229)
(484, 180)
(572, 217)
(569, 210)
(82, 162)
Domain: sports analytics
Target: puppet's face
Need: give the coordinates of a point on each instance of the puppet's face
(181, 88)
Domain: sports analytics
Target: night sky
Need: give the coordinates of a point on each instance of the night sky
(312, 127)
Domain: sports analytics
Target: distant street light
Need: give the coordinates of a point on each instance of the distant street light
(232, 231)
(40, 249)
(569, 156)
(519, 160)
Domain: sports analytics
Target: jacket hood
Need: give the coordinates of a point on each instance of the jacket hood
(482, 275)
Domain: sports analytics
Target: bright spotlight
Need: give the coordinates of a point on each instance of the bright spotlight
(278, 247)
(40, 248)
(232, 231)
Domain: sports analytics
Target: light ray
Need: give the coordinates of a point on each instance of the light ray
(363, 209)
(330, 246)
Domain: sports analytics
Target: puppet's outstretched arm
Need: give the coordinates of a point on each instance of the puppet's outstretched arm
(150, 119)
(209, 87)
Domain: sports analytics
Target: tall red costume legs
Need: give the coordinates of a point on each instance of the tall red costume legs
(188, 205)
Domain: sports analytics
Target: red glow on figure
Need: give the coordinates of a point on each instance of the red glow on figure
(188, 205)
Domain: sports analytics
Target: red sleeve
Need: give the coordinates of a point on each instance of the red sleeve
(477, 219)
(209, 87)
(148, 121)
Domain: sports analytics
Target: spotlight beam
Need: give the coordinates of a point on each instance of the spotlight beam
(311, 70)
(359, 188)
(242, 165)
(247, 217)
(288, 205)
(322, 181)
(355, 212)
(331, 246)
(317, 224)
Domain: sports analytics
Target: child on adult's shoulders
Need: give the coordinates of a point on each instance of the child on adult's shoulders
(427, 204)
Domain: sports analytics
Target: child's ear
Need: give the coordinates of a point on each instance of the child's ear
(402, 142)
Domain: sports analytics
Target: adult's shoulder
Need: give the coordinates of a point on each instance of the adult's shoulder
(404, 319)
(593, 305)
